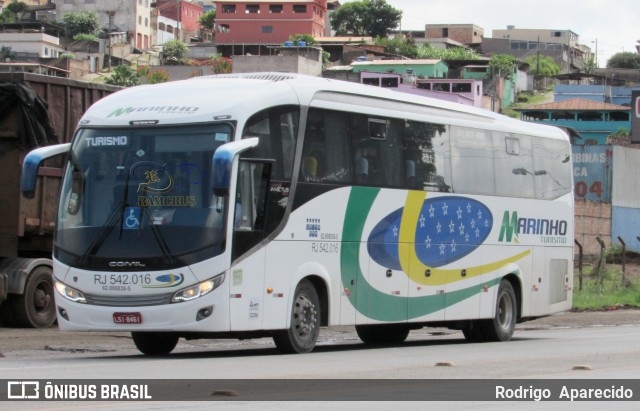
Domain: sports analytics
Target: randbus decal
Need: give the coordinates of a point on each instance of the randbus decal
(123, 111)
(550, 231)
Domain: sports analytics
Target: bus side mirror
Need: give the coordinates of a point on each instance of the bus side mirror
(222, 163)
(32, 163)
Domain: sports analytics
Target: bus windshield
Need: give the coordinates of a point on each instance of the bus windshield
(141, 194)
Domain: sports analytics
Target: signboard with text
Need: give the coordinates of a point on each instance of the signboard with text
(592, 173)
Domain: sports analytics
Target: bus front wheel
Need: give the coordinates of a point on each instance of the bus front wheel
(302, 335)
(155, 343)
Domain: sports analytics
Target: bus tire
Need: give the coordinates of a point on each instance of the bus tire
(35, 307)
(501, 327)
(473, 333)
(383, 333)
(155, 343)
(302, 335)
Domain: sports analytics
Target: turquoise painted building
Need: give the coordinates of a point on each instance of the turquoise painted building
(592, 121)
(421, 68)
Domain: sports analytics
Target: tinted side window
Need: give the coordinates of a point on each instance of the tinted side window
(426, 157)
(472, 161)
(277, 129)
(514, 172)
(552, 168)
(326, 155)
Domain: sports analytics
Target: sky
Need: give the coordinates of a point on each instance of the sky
(615, 24)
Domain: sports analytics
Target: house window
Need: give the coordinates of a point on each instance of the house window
(267, 29)
(275, 8)
(224, 28)
(139, 19)
(389, 82)
(462, 87)
(556, 34)
(46, 51)
(299, 8)
(146, 22)
(229, 8)
(253, 9)
(445, 32)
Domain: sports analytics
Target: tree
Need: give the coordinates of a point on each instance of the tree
(175, 52)
(543, 66)
(589, 65)
(427, 51)
(123, 76)
(307, 38)
(404, 47)
(17, 8)
(373, 18)
(12, 13)
(503, 65)
(208, 20)
(81, 22)
(221, 64)
(625, 60)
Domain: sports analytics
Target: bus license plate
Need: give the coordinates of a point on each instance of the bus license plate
(127, 318)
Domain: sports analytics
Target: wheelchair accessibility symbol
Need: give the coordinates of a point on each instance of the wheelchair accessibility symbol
(131, 219)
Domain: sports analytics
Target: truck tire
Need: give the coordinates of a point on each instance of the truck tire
(35, 308)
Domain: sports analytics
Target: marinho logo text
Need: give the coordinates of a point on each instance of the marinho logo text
(551, 231)
(153, 109)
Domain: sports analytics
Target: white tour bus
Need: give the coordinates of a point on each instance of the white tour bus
(271, 204)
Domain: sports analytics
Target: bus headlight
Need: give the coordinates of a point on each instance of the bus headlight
(69, 293)
(198, 290)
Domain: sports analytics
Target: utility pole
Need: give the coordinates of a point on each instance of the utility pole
(111, 15)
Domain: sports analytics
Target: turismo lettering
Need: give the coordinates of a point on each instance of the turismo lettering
(107, 141)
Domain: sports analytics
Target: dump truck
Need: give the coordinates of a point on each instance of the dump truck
(35, 111)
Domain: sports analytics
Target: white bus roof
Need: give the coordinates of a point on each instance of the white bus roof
(236, 96)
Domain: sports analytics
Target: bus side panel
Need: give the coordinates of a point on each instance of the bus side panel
(289, 262)
(247, 293)
(552, 285)
(463, 292)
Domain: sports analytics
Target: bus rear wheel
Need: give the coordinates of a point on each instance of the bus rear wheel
(383, 333)
(155, 343)
(302, 335)
(503, 324)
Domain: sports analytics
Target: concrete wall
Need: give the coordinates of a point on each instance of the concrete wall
(625, 197)
(288, 64)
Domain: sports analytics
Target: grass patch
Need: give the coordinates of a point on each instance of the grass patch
(527, 99)
(606, 292)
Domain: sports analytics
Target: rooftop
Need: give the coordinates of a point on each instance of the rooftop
(575, 104)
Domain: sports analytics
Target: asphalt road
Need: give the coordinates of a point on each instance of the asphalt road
(564, 347)
(35, 343)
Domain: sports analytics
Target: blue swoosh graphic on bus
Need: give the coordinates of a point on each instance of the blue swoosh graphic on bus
(167, 280)
(446, 230)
